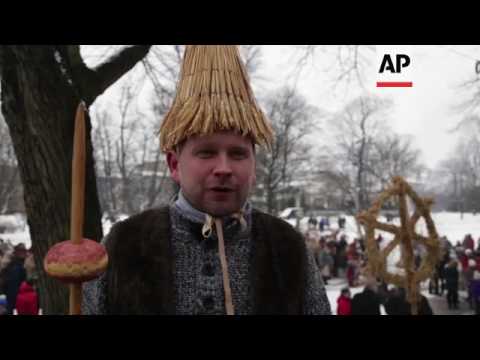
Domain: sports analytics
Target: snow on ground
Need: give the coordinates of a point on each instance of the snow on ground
(15, 229)
(108, 223)
(17, 238)
(455, 227)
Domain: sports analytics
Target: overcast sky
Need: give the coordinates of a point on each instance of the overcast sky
(425, 110)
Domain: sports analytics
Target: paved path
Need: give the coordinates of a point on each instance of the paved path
(440, 307)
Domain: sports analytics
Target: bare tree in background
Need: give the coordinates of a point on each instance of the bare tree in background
(472, 87)
(8, 168)
(292, 119)
(348, 65)
(252, 56)
(104, 147)
(366, 154)
(455, 189)
(463, 171)
(394, 155)
(462, 167)
(131, 166)
(161, 67)
(356, 128)
(126, 150)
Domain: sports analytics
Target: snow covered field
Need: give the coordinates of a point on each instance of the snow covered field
(450, 224)
(15, 228)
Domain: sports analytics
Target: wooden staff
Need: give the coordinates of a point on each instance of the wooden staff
(78, 259)
(78, 198)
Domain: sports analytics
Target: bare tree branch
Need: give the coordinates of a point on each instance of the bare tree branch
(350, 62)
(93, 82)
(292, 119)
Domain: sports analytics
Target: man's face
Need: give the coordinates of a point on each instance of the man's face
(215, 172)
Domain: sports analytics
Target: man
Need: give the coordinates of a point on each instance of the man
(209, 252)
(324, 260)
(475, 291)
(451, 283)
(312, 235)
(367, 302)
(397, 304)
(14, 274)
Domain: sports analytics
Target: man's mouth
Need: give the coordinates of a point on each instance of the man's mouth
(221, 189)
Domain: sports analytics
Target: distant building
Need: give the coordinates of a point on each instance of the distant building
(313, 192)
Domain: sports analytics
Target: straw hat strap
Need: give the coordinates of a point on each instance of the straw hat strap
(206, 232)
(223, 261)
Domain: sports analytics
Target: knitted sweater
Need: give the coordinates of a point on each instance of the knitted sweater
(197, 276)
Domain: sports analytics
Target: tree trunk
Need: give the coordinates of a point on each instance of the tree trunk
(39, 107)
(357, 211)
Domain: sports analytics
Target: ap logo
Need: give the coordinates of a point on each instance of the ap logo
(394, 64)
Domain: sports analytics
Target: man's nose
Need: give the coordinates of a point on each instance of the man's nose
(222, 166)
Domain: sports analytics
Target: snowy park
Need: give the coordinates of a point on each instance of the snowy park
(450, 224)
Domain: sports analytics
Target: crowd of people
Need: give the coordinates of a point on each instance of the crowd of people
(373, 296)
(18, 280)
(458, 270)
(333, 255)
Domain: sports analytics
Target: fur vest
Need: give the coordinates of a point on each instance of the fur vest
(139, 277)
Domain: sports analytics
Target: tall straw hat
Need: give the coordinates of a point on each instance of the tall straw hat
(213, 94)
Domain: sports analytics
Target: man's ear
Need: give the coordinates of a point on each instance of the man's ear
(172, 161)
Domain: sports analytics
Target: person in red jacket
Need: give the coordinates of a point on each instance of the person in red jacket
(468, 242)
(344, 305)
(27, 300)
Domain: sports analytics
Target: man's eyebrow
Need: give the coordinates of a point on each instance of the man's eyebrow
(239, 148)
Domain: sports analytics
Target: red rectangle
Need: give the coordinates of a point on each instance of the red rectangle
(394, 84)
